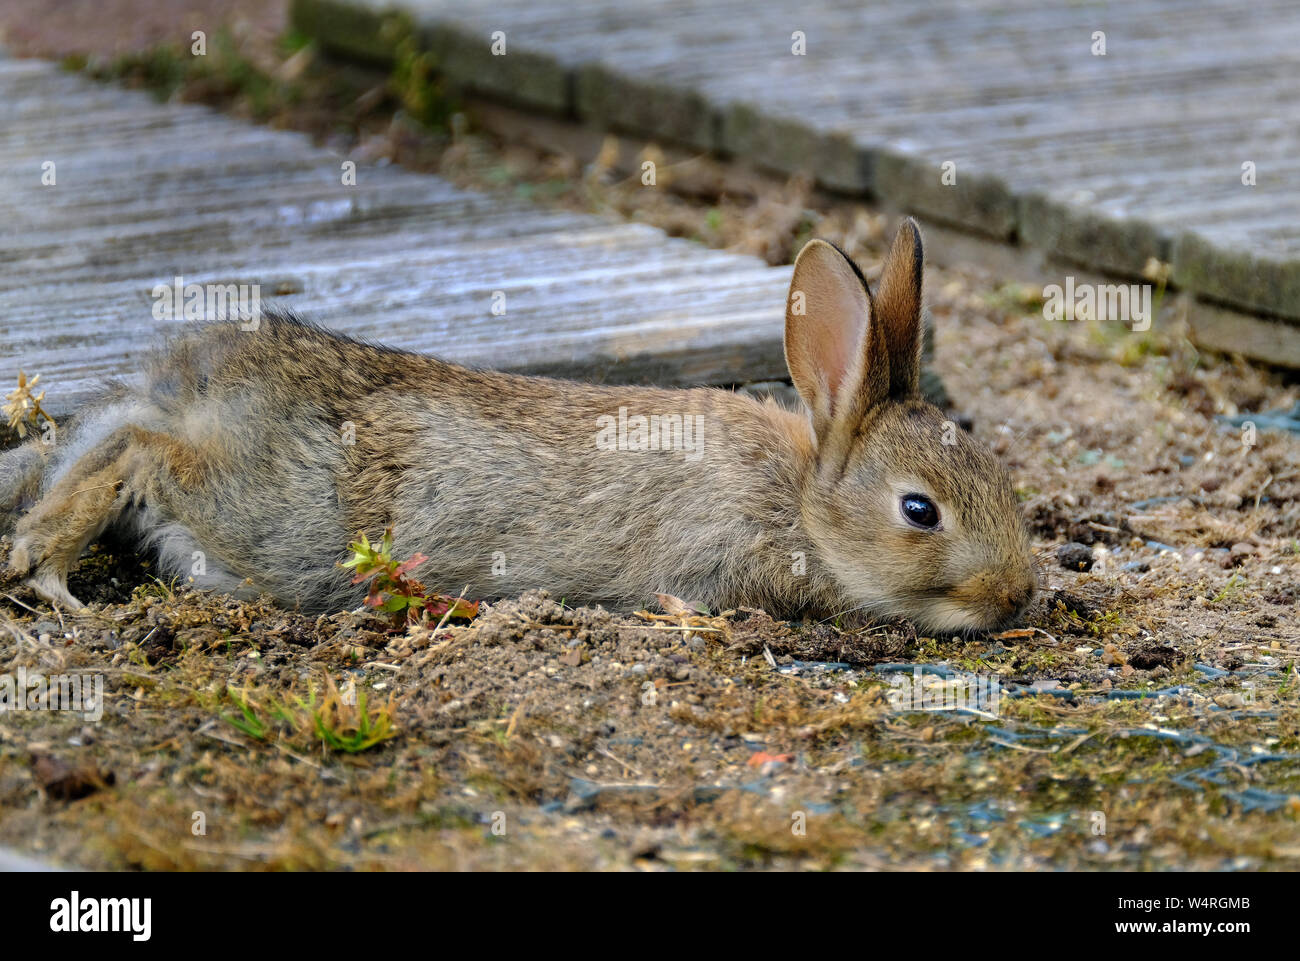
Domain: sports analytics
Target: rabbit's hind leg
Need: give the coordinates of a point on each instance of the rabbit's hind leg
(87, 499)
(21, 470)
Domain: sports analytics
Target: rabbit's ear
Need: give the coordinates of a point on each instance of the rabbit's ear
(836, 352)
(897, 309)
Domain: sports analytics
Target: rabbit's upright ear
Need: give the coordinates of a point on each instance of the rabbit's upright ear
(897, 309)
(835, 350)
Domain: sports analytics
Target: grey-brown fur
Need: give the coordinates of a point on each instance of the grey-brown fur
(238, 446)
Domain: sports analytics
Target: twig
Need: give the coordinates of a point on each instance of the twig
(670, 627)
(1021, 747)
(24, 606)
(1260, 493)
(220, 737)
(514, 719)
(451, 607)
(625, 765)
(1104, 527)
(1077, 741)
(95, 488)
(296, 756)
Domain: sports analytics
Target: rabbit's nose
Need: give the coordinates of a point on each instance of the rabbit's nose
(1017, 597)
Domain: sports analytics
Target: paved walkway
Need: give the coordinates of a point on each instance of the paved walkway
(144, 192)
(1105, 161)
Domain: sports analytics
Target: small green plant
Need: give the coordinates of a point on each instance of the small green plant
(249, 724)
(160, 69)
(392, 589)
(156, 587)
(1109, 622)
(1016, 298)
(1230, 589)
(415, 78)
(337, 722)
(225, 74)
(349, 728)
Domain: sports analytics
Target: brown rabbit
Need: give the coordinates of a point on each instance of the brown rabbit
(248, 459)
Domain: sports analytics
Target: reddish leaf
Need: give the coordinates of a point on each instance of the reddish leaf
(415, 561)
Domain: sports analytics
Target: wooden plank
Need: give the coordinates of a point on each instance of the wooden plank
(159, 191)
(1104, 160)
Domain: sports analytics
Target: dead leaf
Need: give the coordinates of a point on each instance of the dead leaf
(1018, 634)
(674, 606)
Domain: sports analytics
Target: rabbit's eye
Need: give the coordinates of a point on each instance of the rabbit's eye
(919, 510)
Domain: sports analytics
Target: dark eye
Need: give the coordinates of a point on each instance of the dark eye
(919, 510)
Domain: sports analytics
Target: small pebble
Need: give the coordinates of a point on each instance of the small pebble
(1240, 551)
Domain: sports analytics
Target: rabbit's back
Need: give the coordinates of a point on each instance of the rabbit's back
(296, 439)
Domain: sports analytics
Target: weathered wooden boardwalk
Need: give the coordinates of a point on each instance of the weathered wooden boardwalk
(1100, 160)
(146, 192)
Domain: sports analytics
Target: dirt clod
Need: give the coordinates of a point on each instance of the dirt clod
(1073, 556)
(1151, 656)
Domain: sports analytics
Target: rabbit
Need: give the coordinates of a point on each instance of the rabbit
(248, 459)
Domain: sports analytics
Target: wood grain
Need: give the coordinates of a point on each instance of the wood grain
(146, 192)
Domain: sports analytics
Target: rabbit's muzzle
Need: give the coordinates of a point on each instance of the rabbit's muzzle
(988, 601)
(1015, 600)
